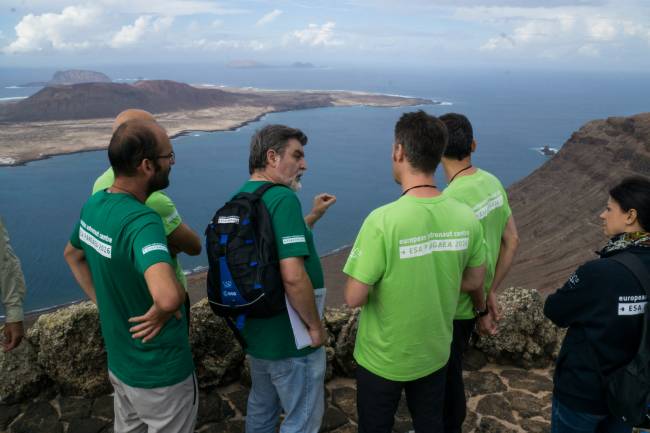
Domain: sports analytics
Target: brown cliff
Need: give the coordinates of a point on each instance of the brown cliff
(557, 206)
(97, 100)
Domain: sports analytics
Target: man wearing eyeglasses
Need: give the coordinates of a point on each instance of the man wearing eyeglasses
(180, 237)
(119, 256)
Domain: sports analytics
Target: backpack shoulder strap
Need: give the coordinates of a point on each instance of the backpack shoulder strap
(636, 267)
(259, 192)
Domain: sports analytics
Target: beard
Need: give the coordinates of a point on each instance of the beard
(296, 184)
(159, 181)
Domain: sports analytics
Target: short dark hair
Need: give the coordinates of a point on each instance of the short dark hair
(271, 137)
(461, 135)
(424, 138)
(131, 143)
(634, 193)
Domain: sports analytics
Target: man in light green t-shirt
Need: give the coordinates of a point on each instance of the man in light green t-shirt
(408, 265)
(485, 195)
(180, 237)
(285, 378)
(119, 256)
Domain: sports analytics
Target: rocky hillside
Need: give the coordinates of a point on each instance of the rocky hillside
(76, 76)
(97, 100)
(556, 207)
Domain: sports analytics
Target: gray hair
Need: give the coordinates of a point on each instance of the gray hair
(273, 137)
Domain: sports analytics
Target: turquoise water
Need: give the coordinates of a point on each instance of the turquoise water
(348, 154)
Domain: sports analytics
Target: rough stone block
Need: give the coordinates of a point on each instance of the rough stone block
(21, 376)
(217, 354)
(71, 349)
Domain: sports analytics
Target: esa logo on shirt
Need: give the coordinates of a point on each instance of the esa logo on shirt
(631, 308)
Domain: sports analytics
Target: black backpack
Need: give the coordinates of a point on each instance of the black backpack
(628, 387)
(244, 277)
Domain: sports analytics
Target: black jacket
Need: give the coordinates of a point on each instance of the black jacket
(602, 303)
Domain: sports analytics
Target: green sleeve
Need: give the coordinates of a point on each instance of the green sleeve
(150, 243)
(478, 248)
(165, 207)
(367, 259)
(506, 204)
(74, 237)
(289, 228)
(105, 180)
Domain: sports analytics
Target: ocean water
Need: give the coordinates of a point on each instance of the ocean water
(348, 153)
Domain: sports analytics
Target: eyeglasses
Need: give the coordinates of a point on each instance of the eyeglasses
(171, 156)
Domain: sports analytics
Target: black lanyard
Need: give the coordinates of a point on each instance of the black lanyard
(418, 186)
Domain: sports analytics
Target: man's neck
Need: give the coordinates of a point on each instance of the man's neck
(419, 180)
(131, 186)
(455, 168)
(262, 176)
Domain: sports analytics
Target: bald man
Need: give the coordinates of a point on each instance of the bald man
(180, 237)
(119, 256)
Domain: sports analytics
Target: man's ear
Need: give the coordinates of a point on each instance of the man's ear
(272, 158)
(473, 146)
(398, 152)
(147, 166)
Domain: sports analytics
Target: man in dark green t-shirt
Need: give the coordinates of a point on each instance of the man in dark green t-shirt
(118, 254)
(409, 263)
(285, 378)
(180, 237)
(482, 192)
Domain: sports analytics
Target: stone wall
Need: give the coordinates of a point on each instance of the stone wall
(60, 369)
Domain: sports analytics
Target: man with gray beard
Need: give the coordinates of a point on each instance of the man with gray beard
(285, 378)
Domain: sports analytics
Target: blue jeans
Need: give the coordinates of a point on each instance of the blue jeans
(295, 385)
(565, 420)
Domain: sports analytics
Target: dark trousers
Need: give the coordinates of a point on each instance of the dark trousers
(455, 404)
(377, 400)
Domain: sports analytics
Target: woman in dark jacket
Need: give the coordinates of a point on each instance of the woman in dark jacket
(602, 304)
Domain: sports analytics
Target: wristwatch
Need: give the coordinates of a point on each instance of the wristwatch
(481, 313)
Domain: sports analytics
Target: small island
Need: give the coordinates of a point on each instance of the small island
(75, 118)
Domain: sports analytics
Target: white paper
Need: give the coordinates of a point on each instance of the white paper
(300, 333)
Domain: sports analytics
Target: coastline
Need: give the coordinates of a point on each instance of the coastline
(331, 261)
(24, 142)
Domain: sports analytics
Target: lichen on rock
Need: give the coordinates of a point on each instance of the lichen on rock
(217, 354)
(21, 377)
(344, 349)
(71, 349)
(526, 337)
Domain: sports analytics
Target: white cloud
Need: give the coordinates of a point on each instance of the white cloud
(134, 33)
(555, 32)
(315, 35)
(501, 42)
(601, 29)
(589, 50)
(68, 30)
(141, 7)
(270, 17)
(636, 30)
(205, 44)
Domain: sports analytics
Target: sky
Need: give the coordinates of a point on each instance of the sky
(554, 34)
